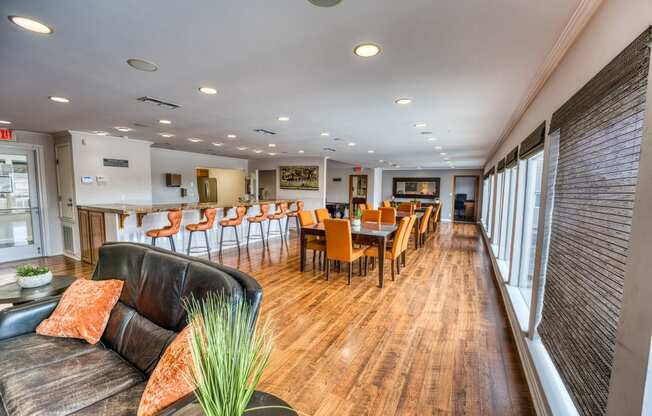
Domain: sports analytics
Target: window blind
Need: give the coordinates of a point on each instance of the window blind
(600, 130)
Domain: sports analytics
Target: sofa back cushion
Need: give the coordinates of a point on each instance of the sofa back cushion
(151, 311)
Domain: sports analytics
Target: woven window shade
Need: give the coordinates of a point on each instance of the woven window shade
(600, 130)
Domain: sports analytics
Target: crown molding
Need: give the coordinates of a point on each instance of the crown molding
(576, 24)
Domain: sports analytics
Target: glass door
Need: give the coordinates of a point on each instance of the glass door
(20, 235)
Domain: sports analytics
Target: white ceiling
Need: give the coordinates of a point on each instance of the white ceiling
(465, 64)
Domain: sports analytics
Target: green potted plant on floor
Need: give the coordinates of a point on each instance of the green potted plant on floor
(229, 355)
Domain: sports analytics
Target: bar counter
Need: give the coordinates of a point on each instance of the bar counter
(127, 222)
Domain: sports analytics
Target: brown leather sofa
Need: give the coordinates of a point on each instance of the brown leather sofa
(58, 376)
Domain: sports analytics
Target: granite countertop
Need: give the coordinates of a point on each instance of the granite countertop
(128, 209)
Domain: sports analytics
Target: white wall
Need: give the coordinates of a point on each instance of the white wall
(614, 26)
(132, 185)
(312, 199)
(446, 184)
(184, 163)
(52, 234)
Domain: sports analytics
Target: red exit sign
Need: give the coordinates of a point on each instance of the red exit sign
(7, 135)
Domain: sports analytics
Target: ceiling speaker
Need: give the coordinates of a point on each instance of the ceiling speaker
(325, 3)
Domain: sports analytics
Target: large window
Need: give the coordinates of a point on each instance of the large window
(497, 212)
(507, 217)
(485, 202)
(490, 211)
(527, 223)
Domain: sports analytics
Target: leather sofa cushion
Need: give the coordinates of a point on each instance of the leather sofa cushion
(65, 386)
(124, 403)
(136, 338)
(30, 351)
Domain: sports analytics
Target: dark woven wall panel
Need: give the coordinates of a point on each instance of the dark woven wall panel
(600, 130)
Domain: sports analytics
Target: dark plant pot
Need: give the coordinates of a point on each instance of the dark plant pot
(259, 399)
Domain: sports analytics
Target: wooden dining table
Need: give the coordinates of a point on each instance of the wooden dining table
(417, 224)
(371, 233)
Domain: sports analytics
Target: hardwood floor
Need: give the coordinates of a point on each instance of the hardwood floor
(435, 341)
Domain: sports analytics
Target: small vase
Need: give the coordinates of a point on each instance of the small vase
(356, 222)
(28, 282)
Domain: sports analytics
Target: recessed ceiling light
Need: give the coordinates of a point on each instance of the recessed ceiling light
(218, 144)
(367, 50)
(301, 151)
(165, 121)
(271, 145)
(5, 122)
(351, 143)
(325, 3)
(381, 161)
(166, 135)
(437, 147)
(208, 90)
(194, 140)
(403, 101)
(443, 153)
(241, 147)
(142, 65)
(432, 139)
(31, 25)
(100, 133)
(371, 151)
(325, 134)
(258, 151)
(231, 136)
(420, 125)
(397, 166)
(272, 153)
(123, 129)
(447, 159)
(58, 99)
(283, 118)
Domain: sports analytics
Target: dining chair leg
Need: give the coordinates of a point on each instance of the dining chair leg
(350, 271)
(360, 266)
(393, 266)
(398, 267)
(314, 254)
(208, 244)
(328, 268)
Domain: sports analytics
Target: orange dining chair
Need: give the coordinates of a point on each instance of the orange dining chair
(392, 253)
(406, 207)
(321, 214)
(423, 226)
(169, 231)
(388, 215)
(278, 216)
(406, 237)
(369, 205)
(371, 215)
(339, 245)
(312, 242)
(294, 214)
(240, 212)
(386, 204)
(203, 226)
(259, 219)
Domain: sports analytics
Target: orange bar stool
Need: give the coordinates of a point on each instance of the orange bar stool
(278, 216)
(322, 214)
(294, 214)
(202, 226)
(259, 219)
(234, 223)
(169, 231)
(387, 215)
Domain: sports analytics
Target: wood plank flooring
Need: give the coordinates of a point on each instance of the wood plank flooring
(434, 342)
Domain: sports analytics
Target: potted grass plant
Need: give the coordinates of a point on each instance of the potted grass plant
(30, 276)
(229, 355)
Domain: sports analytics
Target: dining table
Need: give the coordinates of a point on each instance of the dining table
(417, 224)
(371, 233)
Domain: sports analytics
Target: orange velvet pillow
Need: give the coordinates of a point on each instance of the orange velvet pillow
(169, 381)
(83, 310)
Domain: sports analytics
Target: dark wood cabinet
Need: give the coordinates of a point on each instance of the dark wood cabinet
(92, 234)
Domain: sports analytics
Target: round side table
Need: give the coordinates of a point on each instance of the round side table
(14, 294)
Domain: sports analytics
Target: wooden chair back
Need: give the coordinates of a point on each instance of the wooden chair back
(339, 242)
(305, 218)
(371, 215)
(322, 214)
(425, 220)
(388, 215)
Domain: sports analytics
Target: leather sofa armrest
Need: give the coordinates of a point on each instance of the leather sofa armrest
(23, 319)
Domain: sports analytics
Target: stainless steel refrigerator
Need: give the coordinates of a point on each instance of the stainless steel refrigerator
(207, 188)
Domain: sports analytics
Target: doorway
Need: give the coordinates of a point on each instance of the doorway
(267, 185)
(20, 216)
(358, 185)
(465, 195)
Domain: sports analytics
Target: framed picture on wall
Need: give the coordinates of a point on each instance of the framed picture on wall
(423, 188)
(299, 177)
(6, 184)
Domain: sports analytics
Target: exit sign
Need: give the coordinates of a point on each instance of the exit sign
(7, 135)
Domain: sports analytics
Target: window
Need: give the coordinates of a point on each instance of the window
(497, 212)
(485, 202)
(509, 199)
(529, 192)
(491, 205)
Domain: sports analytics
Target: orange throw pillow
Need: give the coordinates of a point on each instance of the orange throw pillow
(83, 310)
(169, 381)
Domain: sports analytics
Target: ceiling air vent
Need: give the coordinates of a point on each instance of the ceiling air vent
(158, 102)
(329, 149)
(140, 125)
(264, 131)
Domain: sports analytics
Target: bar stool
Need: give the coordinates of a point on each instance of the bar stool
(169, 231)
(202, 226)
(294, 214)
(235, 222)
(259, 219)
(281, 212)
